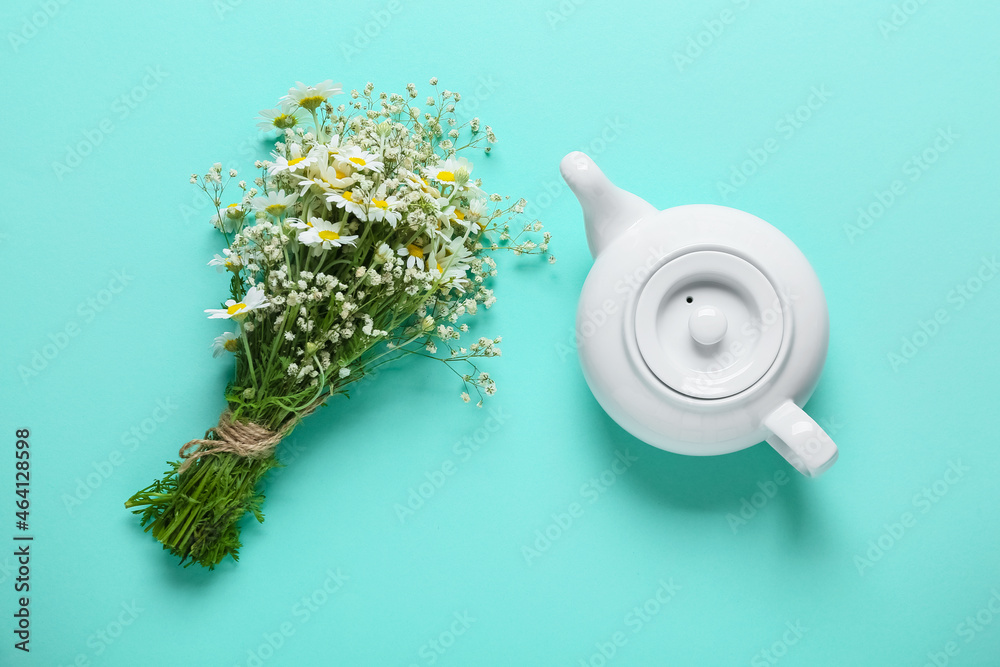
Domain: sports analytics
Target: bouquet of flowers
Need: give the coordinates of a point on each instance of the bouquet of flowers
(364, 239)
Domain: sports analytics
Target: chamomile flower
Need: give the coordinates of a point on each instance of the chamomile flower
(383, 254)
(452, 262)
(283, 117)
(350, 201)
(414, 255)
(298, 224)
(228, 261)
(477, 209)
(471, 190)
(310, 97)
(358, 159)
(296, 164)
(326, 178)
(333, 145)
(432, 260)
(238, 310)
(457, 259)
(460, 216)
(228, 219)
(419, 184)
(274, 203)
(307, 184)
(325, 234)
(227, 342)
(384, 208)
(445, 220)
(453, 171)
(234, 211)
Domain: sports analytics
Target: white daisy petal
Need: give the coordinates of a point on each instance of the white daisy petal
(253, 300)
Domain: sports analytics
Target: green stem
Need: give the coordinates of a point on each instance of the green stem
(195, 515)
(319, 132)
(249, 356)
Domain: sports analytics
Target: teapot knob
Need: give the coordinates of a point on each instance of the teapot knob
(708, 325)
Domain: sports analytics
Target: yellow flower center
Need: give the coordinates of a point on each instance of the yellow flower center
(284, 121)
(439, 268)
(327, 235)
(231, 344)
(446, 176)
(380, 203)
(339, 173)
(233, 205)
(275, 209)
(459, 215)
(415, 251)
(235, 308)
(360, 161)
(295, 161)
(310, 102)
(347, 195)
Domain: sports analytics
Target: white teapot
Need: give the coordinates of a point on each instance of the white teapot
(701, 329)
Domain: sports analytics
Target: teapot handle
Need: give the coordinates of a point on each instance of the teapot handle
(800, 440)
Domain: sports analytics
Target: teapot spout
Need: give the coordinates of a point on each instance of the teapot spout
(607, 209)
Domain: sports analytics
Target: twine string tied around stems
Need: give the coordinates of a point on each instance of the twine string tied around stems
(240, 438)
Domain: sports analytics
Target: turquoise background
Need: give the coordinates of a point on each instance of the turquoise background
(157, 91)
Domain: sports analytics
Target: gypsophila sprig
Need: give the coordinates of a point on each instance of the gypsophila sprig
(364, 239)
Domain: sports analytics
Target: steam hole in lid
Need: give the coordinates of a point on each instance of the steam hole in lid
(690, 299)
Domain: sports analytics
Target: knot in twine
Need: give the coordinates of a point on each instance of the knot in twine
(240, 438)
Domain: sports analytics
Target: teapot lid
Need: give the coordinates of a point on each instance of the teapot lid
(708, 324)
